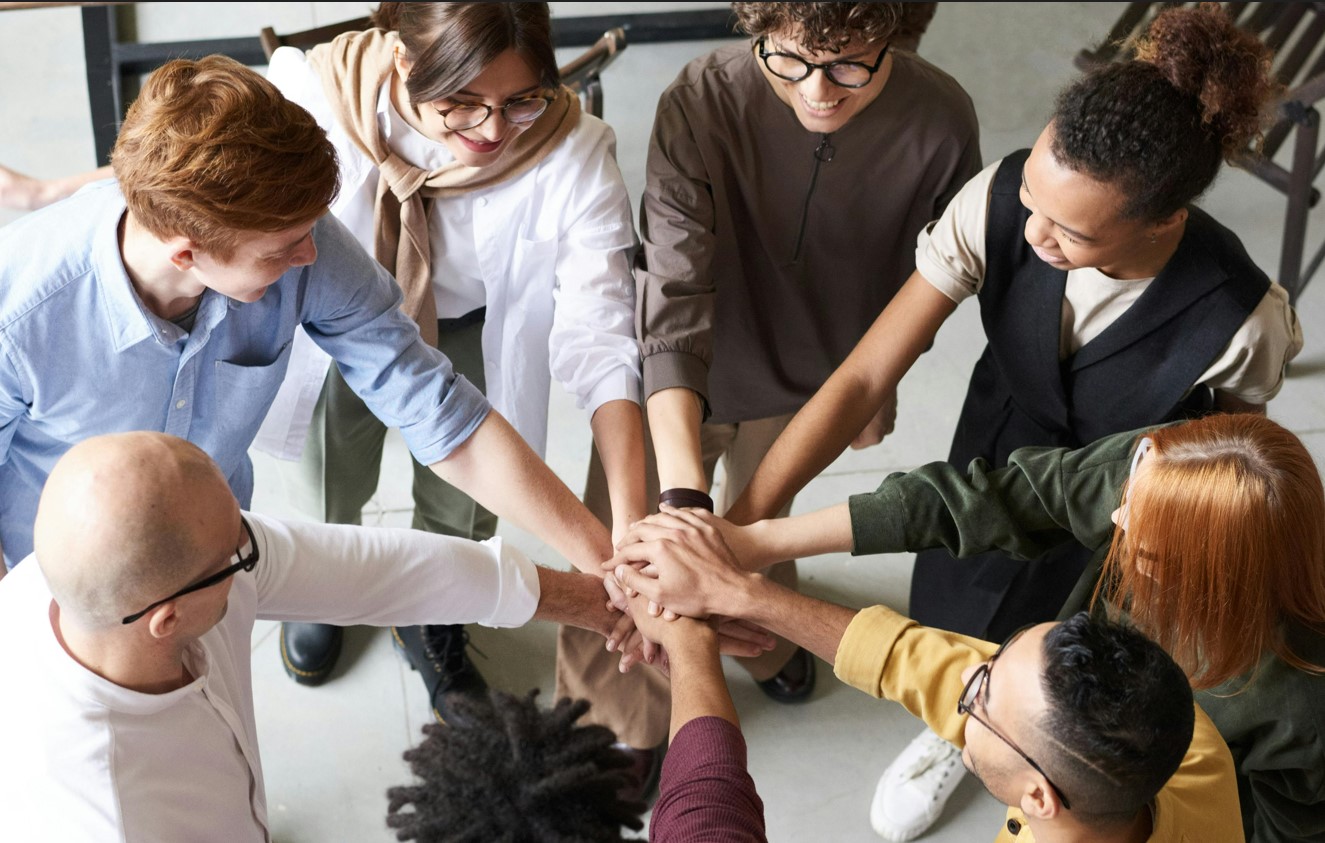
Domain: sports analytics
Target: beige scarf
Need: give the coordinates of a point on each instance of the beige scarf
(353, 68)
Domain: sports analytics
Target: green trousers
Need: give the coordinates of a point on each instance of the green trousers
(342, 458)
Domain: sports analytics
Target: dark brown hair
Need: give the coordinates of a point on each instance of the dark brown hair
(1224, 546)
(1159, 126)
(450, 43)
(824, 27)
(210, 149)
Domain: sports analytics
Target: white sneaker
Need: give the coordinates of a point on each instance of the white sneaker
(914, 788)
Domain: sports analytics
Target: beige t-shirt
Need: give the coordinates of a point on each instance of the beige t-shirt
(950, 254)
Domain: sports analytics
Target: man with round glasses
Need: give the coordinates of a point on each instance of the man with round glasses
(1086, 729)
(787, 179)
(127, 635)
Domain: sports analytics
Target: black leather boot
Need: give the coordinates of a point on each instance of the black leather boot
(309, 651)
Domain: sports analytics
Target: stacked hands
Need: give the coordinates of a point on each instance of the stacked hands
(681, 564)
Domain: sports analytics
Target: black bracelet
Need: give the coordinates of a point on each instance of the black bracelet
(686, 498)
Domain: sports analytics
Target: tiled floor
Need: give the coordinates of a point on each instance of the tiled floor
(331, 752)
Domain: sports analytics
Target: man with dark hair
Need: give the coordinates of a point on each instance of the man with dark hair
(168, 300)
(787, 179)
(1086, 729)
(125, 639)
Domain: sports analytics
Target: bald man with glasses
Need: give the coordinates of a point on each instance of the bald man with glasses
(125, 643)
(1085, 729)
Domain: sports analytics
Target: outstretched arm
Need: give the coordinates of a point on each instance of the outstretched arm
(762, 543)
(848, 400)
(618, 434)
(498, 469)
(674, 419)
(24, 193)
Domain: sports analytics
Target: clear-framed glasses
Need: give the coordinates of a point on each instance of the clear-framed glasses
(521, 111)
(793, 68)
(976, 688)
(244, 563)
(1142, 448)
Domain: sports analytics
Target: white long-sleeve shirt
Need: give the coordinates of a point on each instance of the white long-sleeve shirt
(548, 253)
(82, 758)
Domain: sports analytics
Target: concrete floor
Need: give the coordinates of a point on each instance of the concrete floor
(331, 752)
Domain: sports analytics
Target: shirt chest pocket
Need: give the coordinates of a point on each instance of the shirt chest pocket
(245, 390)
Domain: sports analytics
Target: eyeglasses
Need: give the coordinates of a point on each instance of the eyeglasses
(793, 68)
(1142, 448)
(966, 703)
(245, 563)
(519, 111)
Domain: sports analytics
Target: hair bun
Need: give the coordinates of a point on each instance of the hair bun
(1206, 56)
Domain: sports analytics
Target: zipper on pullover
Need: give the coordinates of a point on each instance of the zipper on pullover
(823, 153)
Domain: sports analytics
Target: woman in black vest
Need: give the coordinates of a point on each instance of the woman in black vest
(1109, 303)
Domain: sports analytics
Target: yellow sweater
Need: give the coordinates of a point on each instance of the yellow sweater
(892, 657)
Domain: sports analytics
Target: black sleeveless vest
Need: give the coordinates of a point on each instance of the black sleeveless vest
(1139, 371)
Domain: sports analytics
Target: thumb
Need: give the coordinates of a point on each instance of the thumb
(633, 579)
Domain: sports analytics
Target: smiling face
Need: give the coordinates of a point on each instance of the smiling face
(820, 104)
(506, 78)
(1076, 221)
(259, 260)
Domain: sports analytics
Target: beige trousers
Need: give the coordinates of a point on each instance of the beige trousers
(637, 705)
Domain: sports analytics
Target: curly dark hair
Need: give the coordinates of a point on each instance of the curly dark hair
(824, 27)
(1159, 126)
(508, 771)
(1119, 720)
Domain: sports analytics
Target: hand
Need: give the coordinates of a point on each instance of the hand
(743, 541)
(732, 637)
(616, 596)
(878, 427)
(686, 566)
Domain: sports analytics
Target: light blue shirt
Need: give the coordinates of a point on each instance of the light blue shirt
(81, 355)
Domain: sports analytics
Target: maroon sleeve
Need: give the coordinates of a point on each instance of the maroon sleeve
(706, 794)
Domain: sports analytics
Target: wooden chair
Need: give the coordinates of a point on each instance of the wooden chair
(1293, 31)
(583, 74)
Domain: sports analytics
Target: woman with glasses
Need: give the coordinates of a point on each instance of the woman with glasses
(470, 172)
(1209, 534)
(1108, 301)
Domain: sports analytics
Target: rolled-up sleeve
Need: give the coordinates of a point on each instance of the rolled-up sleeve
(950, 251)
(351, 309)
(890, 656)
(592, 347)
(1253, 364)
(676, 290)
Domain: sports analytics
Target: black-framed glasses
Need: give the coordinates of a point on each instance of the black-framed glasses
(245, 563)
(970, 698)
(793, 68)
(461, 117)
